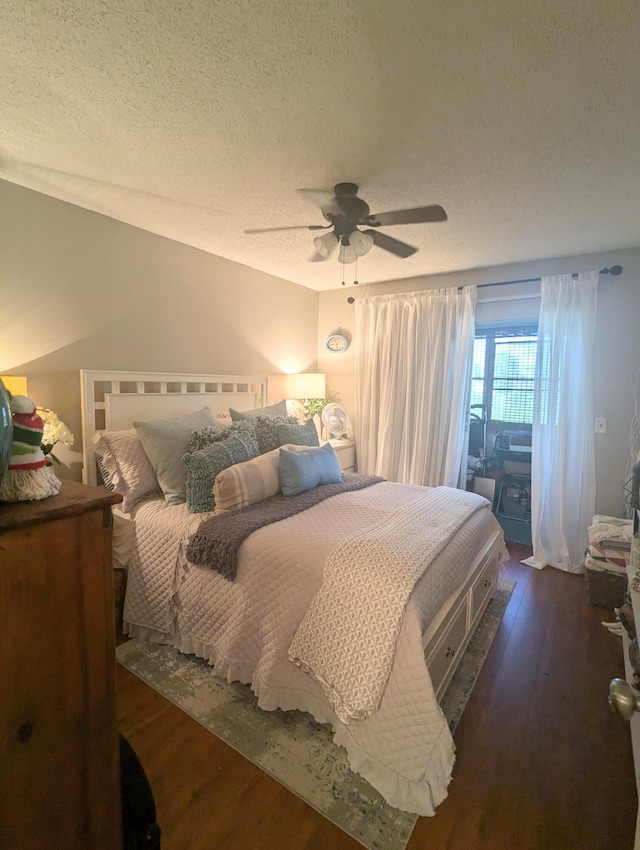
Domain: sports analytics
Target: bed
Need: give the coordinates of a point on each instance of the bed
(257, 628)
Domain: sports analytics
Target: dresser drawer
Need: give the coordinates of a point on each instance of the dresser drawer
(446, 652)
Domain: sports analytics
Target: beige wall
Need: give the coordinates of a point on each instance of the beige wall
(81, 290)
(617, 343)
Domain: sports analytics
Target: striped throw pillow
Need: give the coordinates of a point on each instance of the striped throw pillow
(247, 483)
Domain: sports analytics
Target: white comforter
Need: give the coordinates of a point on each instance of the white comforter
(244, 628)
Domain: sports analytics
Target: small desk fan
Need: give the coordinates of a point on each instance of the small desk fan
(335, 420)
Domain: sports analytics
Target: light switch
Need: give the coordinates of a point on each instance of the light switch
(601, 426)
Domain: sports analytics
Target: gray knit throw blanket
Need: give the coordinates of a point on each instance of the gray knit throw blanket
(216, 542)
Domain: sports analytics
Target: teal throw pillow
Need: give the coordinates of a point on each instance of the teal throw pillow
(278, 409)
(203, 466)
(203, 437)
(304, 469)
(299, 435)
(267, 431)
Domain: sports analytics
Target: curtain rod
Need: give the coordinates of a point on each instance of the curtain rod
(614, 270)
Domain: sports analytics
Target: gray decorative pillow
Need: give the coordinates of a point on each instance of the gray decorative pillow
(203, 437)
(267, 431)
(278, 409)
(299, 435)
(164, 442)
(202, 467)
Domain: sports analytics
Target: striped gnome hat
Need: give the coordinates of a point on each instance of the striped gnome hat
(28, 476)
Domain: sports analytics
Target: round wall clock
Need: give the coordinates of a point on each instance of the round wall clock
(337, 343)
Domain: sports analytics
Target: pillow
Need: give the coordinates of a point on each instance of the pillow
(165, 441)
(304, 469)
(203, 466)
(267, 431)
(104, 474)
(203, 437)
(279, 409)
(247, 483)
(299, 435)
(125, 466)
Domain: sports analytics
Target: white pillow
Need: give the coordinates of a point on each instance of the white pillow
(129, 469)
(247, 483)
(165, 441)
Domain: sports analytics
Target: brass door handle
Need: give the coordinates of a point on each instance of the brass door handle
(623, 699)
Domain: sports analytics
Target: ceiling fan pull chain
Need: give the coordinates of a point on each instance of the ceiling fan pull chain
(355, 282)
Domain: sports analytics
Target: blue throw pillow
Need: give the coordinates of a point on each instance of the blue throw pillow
(304, 469)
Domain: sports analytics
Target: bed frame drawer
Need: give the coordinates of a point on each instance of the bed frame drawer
(444, 656)
(482, 588)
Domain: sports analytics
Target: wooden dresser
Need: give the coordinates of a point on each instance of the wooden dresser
(59, 764)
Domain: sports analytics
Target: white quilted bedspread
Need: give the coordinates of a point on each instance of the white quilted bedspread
(347, 638)
(244, 628)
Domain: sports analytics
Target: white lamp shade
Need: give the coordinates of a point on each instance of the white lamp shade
(347, 254)
(326, 243)
(305, 385)
(361, 243)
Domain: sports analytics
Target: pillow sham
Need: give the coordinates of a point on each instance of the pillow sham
(203, 437)
(203, 466)
(247, 483)
(267, 431)
(299, 435)
(223, 420)
(302, 469)
(165, 441)
(278, 409)
(125, 466)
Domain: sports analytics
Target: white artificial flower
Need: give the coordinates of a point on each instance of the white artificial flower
(54, 431)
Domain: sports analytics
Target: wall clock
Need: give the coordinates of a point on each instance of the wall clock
(337, 343)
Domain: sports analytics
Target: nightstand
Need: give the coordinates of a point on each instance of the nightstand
(346, 451)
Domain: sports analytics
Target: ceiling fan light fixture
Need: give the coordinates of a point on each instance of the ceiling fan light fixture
(325, 244)
(362, 243)
(347, 254)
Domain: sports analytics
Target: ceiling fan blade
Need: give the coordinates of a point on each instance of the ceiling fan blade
(318, 197)
(418, 215)
(388, 243)
(296, 227)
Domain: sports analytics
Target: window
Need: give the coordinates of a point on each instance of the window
(504, 361)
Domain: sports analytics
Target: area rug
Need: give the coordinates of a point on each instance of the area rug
(290, 746)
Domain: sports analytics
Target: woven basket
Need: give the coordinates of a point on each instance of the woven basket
(606, 589)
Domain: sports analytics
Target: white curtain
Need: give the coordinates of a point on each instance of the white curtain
(413, 375)
(563, 480)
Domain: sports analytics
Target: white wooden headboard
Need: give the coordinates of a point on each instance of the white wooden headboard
(113, 400)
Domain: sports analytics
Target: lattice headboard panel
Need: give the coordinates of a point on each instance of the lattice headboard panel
(114, 400)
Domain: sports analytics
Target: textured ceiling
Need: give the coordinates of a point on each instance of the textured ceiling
(198, 120)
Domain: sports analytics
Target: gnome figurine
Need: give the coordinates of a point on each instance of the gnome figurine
(28, 477)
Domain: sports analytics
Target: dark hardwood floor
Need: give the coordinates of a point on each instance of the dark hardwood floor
(542, 763)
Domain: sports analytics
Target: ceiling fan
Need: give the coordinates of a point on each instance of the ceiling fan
(346, 212)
